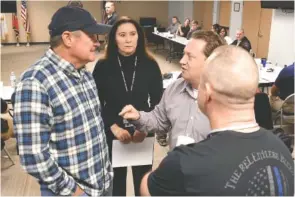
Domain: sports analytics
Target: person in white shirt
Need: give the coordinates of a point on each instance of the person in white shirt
(223, 34)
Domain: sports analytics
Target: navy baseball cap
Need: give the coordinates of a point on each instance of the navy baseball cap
(71, 18)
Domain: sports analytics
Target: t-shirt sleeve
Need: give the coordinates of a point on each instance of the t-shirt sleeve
(280, 78)
(167, 179)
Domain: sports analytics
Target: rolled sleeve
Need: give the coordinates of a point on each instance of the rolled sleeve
(32, 124)
(155, 120)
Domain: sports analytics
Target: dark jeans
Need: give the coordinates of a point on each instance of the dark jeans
(120, 176)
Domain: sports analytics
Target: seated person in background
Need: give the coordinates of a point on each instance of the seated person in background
(215, 28)
(184, 29)
(194, 27)
(173, 27)
(223, 34)
(242, 40)
(237, 158)
(282, 88)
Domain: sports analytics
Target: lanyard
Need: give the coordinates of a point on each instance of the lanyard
(133, 77)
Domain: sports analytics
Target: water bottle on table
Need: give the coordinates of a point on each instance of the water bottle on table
(263, 62)
(12, 80)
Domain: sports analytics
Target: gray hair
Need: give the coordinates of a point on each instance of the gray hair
(56, 41)
(241, 30)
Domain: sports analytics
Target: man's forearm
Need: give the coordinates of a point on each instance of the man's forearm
(152, 122)
(274, 91)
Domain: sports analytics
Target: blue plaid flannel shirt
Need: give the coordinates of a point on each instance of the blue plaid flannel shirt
(59, 129)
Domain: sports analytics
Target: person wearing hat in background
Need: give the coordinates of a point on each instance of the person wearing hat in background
(57, 117)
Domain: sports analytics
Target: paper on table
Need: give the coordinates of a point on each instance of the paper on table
(133, 154)
(6, 92)
(167, 82)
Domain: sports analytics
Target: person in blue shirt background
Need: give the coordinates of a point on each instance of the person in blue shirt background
(282, 88)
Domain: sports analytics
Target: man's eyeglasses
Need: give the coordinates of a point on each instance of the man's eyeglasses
(93, 37)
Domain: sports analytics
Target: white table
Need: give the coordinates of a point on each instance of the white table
(172, 39)
(6, 92)
(177, 39)
(269, 77)
(167, 82)
(265, 78)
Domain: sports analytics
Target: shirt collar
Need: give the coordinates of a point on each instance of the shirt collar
(189, 89)
(111, 15)
(66, 66)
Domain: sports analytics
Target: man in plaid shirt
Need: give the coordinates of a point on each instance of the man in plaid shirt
(57, 115)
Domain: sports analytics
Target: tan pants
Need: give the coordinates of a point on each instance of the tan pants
(276, 104)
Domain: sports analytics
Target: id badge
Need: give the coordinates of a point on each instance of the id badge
(184, 140)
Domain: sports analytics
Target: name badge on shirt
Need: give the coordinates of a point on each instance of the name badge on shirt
(184, 140)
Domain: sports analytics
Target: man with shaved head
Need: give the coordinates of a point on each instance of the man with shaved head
(237, 158)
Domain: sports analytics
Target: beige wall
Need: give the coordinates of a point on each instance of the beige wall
(137, 9)
(40, 13)
(203, 13)
(224, 13)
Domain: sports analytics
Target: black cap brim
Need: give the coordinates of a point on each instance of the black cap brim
(98, 29)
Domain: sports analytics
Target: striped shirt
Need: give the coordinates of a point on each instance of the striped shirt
(59, 129)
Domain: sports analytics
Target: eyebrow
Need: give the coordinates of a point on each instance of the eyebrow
(189, 54)
(124, 32)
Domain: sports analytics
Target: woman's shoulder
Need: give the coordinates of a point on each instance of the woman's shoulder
(101, 62)
(100, 66)
(150, 61)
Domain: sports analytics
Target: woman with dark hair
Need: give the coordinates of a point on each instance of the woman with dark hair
(184, 29)
(215, 28)
(126, 75)
(223, 34)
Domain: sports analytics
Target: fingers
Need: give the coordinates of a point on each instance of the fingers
(125, 137)
(129, 112)
(138, 136)
(126, 109)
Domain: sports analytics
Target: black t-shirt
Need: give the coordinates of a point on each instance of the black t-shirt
(285, 82)
(185, 30)
(228, 163)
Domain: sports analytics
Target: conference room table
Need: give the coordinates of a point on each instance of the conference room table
(6, 92)
(267, 75)
(173, 40)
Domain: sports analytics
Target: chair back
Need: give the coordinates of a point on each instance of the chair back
(287, 110)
